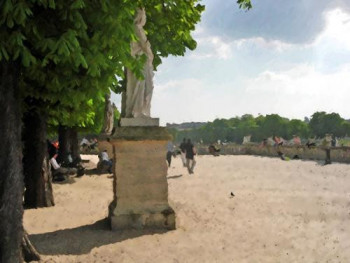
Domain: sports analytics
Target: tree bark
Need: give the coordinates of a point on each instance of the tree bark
(64, 145)
(74, 143)
(28, 250)
(36, 167)
(68, 144)
(11, 176)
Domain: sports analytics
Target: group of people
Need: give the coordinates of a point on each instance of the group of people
(86, 144)
(187, 151)
(60, 172)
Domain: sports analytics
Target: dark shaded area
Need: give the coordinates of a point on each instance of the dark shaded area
(82, 240)
(36, 168)
(64, 149)
(174, 176)
(29, 252)
(11, 176)
(67, 180)
(94, 171)
(91, 171)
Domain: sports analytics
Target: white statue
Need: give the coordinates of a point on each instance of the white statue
(139, 92)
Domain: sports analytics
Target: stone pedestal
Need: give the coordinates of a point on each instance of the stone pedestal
(139, 122)
(140, 183)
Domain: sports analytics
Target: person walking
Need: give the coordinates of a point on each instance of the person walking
(190, 153)
(183, 152)
(170, 152)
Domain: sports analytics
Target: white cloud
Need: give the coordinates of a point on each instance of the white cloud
(181, 101)
(259, 42)
(293, 93)
(300, 91)
(337, 31)
(212, 47)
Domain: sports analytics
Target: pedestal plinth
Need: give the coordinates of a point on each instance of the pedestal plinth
(140, 183)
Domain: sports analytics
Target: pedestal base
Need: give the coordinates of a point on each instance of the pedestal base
(164, 219)
(140, 183)
(139, 122)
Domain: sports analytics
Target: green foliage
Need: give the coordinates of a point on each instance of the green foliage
(71, 53)
(261, 127)
(273, 125)
(169, 26)
(298, 127)
(322, 123)
(245, 4)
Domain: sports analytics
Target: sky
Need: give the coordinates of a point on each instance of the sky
(286, 57)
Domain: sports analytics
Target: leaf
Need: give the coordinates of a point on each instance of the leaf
(77, 4)
(52, 4)
(9, 22)
(158, 7)
(4, 53)
(7, 7)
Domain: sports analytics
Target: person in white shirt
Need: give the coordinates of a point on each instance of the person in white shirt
(84, 142)
(104, 162)
(58, 171)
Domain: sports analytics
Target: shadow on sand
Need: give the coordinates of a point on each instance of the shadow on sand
(94, 171)
(174, 176)
(81, 240)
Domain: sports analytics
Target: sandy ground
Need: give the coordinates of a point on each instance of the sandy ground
(282, 211)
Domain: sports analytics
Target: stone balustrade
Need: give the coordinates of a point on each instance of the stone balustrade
(338, 154)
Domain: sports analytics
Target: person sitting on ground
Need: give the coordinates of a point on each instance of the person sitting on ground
(296, 140)
(59, 173)
(278, 141)
(74, 163)
(310, 143)
(264, 143)
(84, 143)
(214, 150)
(51, 149)
(104, 164)
(93, 144)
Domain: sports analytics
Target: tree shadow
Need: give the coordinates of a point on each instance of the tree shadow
(81, 240)
(91, 171)
(174, 176)
(68, 180)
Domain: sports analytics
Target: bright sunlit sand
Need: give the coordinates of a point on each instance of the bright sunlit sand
(282, 211)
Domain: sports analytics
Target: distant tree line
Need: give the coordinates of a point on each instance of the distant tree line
(261, 127)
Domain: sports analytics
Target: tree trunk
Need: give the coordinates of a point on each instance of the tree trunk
(36, 168)
(74, 143)
(28, 250)
(11, 176)
(64, 145)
